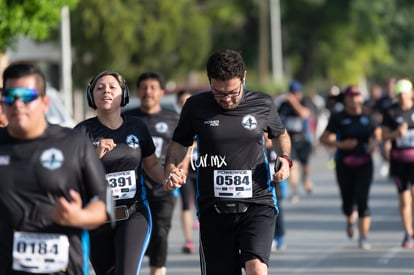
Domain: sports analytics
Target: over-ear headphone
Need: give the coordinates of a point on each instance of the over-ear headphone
(122, 83)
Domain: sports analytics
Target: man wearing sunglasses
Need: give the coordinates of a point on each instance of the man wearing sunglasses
(236, 201)
(53, 185)
(3, 119)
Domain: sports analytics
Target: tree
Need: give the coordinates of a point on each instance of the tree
(132, 36)
(335, 40)
(398, 25)
(31, 18)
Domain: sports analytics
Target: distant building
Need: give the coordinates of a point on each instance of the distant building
(46, 55)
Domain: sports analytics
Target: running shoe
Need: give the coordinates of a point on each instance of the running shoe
(363, 243)
(280, 243)
(274, 246)
(294, 198)
(331, 164)
(188, 247)
(196, 225)
(407, 242)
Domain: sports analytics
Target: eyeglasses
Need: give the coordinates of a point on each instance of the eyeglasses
(25, 95)
(234, 93)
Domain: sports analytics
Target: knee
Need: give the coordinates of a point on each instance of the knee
(256, 267)
(364, 212)
(161, 234)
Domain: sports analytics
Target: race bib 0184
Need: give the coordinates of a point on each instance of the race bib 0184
(40, 252)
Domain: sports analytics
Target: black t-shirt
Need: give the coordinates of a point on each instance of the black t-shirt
(161, 126)
(124, 162)
(232, 163)
(393, 118)
(384, 103)
(346, 126)
(34, 174)
(296, 126)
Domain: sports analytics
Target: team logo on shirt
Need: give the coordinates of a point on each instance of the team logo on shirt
(132, 141)
(249, 122)
(52, 159)
(400, 120)
(364, 120)
(4, 160)
(161, 127)
(346, 121)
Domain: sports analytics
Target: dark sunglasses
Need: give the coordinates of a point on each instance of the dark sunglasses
(25, 95)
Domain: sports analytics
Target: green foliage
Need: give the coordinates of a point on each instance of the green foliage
(341, 42)
(135, 36)
(324, 41)
(31, 18)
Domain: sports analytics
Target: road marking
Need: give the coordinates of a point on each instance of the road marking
(385, 259)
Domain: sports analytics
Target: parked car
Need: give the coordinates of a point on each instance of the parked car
(57, 112)
(168, 101)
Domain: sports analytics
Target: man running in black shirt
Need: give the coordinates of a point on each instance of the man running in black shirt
(237, 203)
(52, 187)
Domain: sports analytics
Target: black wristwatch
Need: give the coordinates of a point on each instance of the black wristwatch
(286, 157)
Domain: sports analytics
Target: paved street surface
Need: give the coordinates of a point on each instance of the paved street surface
(316, 239)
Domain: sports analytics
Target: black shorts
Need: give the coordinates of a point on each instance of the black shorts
(301, 151)
(403, 175)
(228, 241)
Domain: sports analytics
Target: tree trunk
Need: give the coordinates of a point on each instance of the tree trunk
(4, 61)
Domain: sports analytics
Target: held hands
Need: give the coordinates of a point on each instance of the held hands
(175, 179)
(104, 146)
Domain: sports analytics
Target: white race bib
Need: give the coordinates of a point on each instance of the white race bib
(123, 184)
(233, 184)
(407, 140)
(40, 252)
(294, 124)
(158, 141)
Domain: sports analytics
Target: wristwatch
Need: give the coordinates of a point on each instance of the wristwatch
(286, 157)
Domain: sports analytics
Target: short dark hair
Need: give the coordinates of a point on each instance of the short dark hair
(18, 70)
(121, 80)
(151, 75)
(182, 92)
(225, 65)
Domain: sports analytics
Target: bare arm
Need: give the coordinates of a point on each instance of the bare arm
(153, 168)
(282, 146)
(71, 213)
(388, 134)
(329, 139)
(185, 163)
(174, 177)
(374, 140)
(301, 110)
(175, 158)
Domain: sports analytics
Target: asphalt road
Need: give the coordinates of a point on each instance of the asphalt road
(315, 237)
